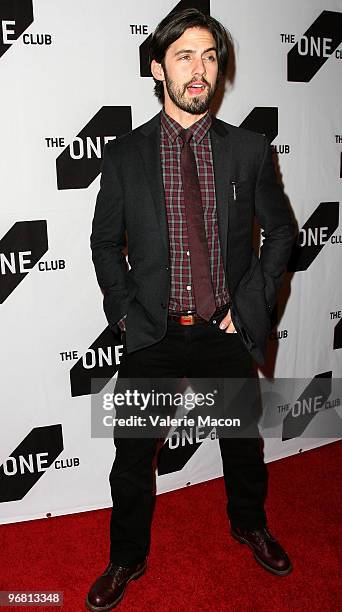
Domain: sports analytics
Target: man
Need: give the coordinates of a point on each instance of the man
(197, 300)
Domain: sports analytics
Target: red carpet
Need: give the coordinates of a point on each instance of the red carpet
(194, 563)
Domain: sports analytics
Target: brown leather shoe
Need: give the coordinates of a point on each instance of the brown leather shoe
(108, 590)
(267, 551)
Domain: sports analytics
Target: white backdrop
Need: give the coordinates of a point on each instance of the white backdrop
(70, 76)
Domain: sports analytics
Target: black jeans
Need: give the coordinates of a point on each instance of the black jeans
(186, 351)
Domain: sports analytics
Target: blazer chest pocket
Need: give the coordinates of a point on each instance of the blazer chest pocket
(240, 191)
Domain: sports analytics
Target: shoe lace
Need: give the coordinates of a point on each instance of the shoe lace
(263, 535)
(115, 570)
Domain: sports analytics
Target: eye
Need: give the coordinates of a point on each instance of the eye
(210, 58)
(185, 57)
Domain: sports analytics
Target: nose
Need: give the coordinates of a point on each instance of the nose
(199, 67)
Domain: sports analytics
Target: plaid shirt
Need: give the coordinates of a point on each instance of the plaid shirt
(182, 296)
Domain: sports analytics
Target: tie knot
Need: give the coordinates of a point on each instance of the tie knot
(186, 135)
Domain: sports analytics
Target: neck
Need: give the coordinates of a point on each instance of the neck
(182, 117)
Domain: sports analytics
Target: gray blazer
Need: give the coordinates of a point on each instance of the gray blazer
(131, 199)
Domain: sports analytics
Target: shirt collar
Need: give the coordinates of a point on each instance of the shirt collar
(173, 129)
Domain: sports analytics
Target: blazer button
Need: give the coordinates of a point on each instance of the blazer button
(163, 305)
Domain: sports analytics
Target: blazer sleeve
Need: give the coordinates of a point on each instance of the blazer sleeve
(277, 224)
(107, 241)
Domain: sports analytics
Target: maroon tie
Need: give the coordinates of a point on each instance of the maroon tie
(198, 244)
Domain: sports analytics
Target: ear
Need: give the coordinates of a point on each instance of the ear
(157, 71)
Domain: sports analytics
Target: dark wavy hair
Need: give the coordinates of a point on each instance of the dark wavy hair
(174, 25)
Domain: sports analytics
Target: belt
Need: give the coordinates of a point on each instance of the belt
(192, 318)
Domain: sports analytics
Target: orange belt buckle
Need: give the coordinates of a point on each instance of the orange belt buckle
(187, 319)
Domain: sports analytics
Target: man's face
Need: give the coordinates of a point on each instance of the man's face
(190, 71)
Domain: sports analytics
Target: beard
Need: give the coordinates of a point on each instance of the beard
(196, 105)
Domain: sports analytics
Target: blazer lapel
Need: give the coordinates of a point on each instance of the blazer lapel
(150, 153)
(222, 158)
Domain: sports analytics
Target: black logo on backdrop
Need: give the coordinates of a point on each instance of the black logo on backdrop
(309, 403)
(315, 46)
(20, 249)
(29, 461)
(201, 5)
(98, 364)
(15, 18)
(338, 335)
(80, 162)
(314, 235)
(173, 458)
(263, 120)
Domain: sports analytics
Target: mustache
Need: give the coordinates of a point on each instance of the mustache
(202, 79)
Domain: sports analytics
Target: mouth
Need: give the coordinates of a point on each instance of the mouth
(197, 88)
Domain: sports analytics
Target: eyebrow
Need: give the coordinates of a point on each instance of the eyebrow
(192, 51)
